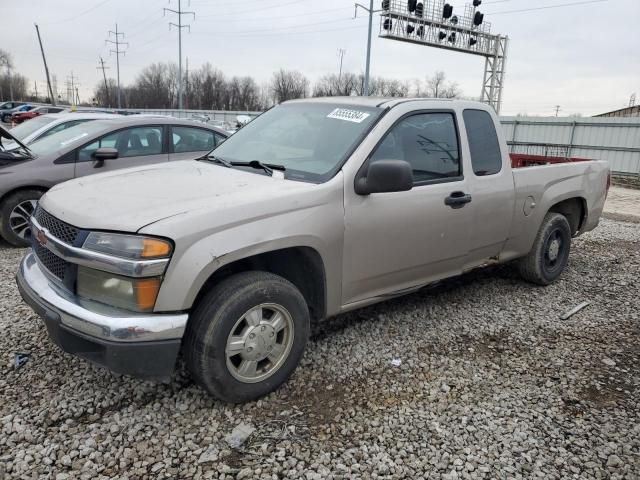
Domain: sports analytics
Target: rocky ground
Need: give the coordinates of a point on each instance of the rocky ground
(476, 378)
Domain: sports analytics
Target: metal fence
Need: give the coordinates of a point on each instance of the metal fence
(616, 140)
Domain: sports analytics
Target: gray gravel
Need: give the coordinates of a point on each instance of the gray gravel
(490, 384)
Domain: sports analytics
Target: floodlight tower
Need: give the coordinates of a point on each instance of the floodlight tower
(433, 23)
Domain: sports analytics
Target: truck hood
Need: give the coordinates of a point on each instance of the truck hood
(128, 200)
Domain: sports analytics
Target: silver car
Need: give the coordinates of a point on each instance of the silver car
(88, 148)
(45, 125)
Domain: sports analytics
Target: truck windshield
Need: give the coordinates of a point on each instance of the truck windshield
(311, 140)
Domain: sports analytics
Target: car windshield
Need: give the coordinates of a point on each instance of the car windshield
(25, 129)
(73, 136)
(311, 140)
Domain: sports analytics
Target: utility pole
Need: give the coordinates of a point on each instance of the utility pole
(72, 88)
(365, 88)
(77, 96)
(180, 26)
(557, 109)
(118, 52)
(35, 87)
(106, 86)
(341, 53)
(186, 84)
(46, 69)
(10, 82)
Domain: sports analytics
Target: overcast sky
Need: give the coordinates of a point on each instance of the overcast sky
(584, 57)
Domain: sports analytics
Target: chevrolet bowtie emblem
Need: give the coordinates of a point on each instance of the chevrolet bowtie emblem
(41, 237)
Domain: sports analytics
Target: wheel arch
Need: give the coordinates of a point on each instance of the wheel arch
(575, 211)
(13, 191)
(301, 265)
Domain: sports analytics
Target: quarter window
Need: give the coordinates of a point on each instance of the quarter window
(428, 141)
(486, 157)
(187, 139)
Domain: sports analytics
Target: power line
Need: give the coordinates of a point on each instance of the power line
(179, 26)
(547, 7)
(81, 13)
(216, 15)
(118, 52)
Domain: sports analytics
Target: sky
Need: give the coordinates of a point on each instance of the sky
(583, 57)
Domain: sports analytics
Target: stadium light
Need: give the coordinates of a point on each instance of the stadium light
(436, 23)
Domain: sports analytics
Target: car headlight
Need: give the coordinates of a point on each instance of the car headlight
(135, 294)
(134, 247)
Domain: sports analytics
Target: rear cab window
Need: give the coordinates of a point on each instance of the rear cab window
(486, 157)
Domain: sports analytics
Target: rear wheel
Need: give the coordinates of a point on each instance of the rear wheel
(550, 253)
(16, 211)
(246, 337)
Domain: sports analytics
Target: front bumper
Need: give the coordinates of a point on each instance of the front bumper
(134, 344)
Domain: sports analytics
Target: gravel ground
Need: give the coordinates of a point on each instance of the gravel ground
(476, 378)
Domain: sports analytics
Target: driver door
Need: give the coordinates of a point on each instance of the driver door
(136, 146)
(400, 240)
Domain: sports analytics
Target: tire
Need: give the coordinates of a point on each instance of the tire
(15, 211)
(550, 253)
(243, 305)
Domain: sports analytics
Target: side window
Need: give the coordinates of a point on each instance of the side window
(486, 158)
(428, 141)
(132, 142)
(186, 139)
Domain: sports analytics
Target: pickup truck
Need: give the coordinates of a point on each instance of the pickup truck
(315, 208)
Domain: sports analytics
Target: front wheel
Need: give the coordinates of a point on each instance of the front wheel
(16, 211)
(246, 337)
(550, 253)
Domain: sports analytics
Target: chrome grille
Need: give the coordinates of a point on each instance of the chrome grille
(62, 231)
(50, 261)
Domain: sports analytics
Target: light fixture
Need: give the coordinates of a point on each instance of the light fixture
(419, 9)
(420, 32)
(410, 29)
(476, 3)
(447, 11)
(442, 36)
(385, 4)
(411, 5)
(472, 41)
(454, 20)
(478, 18)
(452, 37)
(387, 24)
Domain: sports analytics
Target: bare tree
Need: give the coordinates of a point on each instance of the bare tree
(439, 87)
(334, 85)
(287, 85)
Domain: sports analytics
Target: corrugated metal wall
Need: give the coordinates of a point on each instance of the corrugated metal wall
(616, 140)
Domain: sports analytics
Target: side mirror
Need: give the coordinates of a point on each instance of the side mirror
(383, 176)
(105, 153)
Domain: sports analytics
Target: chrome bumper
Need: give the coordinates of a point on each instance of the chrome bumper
(93, 319)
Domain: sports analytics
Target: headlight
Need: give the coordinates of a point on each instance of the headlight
(135, 294)
(134, 247)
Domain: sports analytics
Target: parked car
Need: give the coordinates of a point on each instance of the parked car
(315, 208)
(88, 148)
(5, 115)
(19, 117)
(9, 105)
(49, 124)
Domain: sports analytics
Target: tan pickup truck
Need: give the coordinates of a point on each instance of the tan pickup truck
(315, 208)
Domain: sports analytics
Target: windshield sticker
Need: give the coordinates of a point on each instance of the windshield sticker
(349, 115)
(74, 139)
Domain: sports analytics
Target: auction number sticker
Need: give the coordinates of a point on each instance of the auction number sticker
(349, 115)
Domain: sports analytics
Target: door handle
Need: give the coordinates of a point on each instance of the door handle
(457, 199)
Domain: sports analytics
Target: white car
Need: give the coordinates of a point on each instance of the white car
(45, 125)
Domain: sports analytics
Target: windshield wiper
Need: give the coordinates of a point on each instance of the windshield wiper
(220, 160)
(257, 164)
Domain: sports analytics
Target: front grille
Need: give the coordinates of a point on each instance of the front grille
(62, 231)
(50, 261)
